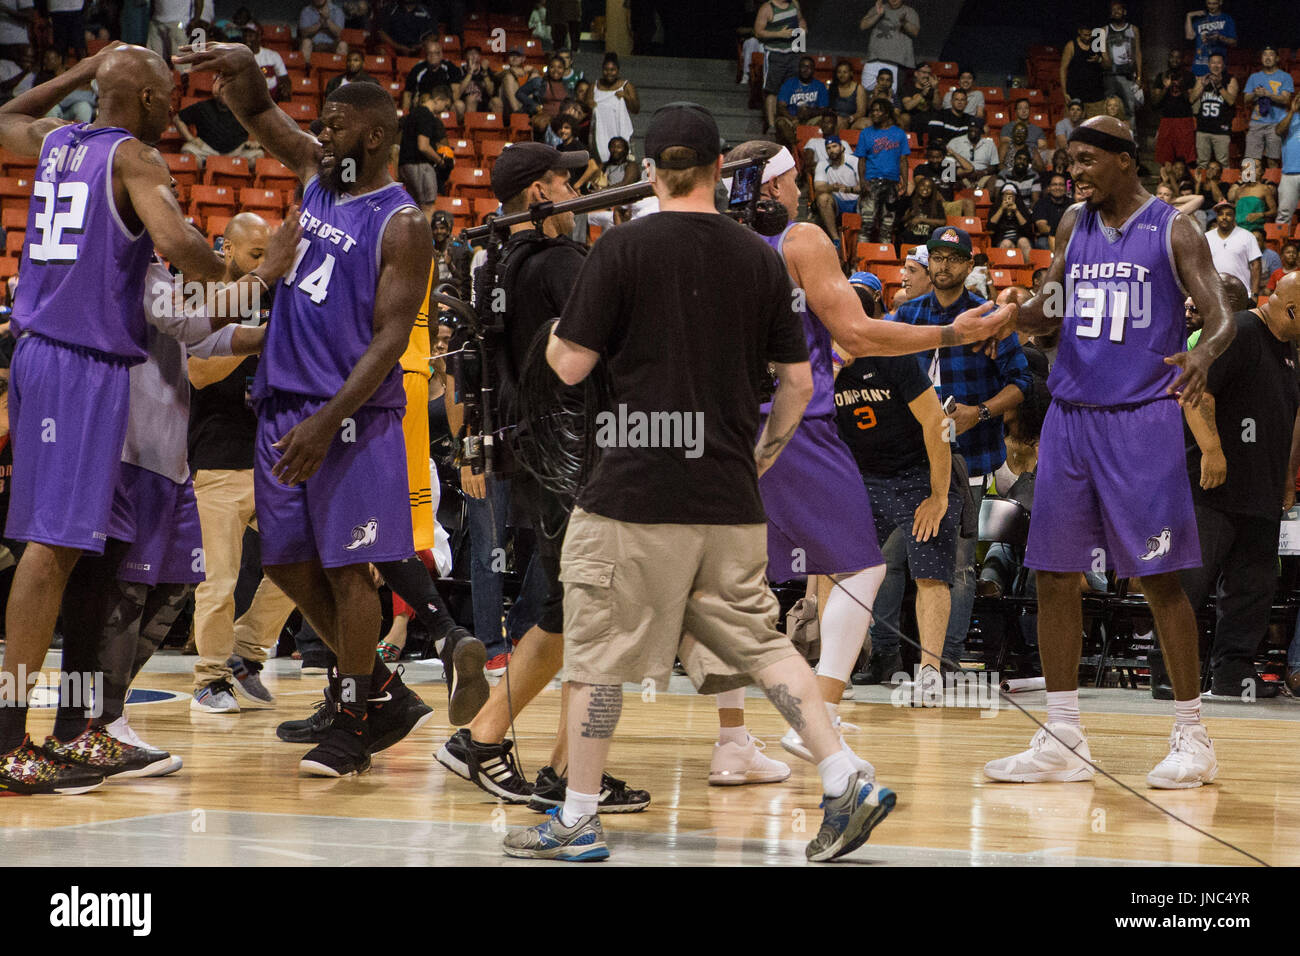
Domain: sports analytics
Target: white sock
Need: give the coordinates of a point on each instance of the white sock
(845, 622)
(1187, 713)
(733, 735)
(578, 805)
(1063, 707)
(836, 771)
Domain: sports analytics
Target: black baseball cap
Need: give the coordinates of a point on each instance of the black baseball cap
(522, 164)
(950, 237)
(686, 125)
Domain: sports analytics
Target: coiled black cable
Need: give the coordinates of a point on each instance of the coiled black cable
(554, 438)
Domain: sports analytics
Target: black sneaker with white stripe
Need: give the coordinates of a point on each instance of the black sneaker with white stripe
(463, 658)
(492, 767)
(615, 796)
(454, 754)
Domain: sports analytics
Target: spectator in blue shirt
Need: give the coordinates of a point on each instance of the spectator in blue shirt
(882, 153)
(984, 389)
(801, 98)
(1288, 190)
(1213, 32)
(1267, 93)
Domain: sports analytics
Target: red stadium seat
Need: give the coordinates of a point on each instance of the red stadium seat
(184, 168)
(206, 200)
(261, 200)
(470, 183)
(273, 174)
(872, 252)
(227, 171)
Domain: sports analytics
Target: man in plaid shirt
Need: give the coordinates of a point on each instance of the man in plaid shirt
(985, 389)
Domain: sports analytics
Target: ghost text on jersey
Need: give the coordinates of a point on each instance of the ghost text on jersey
(310, 224)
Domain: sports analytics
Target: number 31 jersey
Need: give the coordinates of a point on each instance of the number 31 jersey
(322, 318)
(82, 273)
(1123, 310)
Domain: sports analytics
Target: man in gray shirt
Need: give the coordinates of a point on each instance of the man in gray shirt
(893, 25)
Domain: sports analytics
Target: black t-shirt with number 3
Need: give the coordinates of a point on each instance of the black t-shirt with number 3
(871, 411)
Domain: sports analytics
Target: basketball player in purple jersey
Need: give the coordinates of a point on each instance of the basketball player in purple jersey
(101, 204)
(330, 459)
(819, 516)
(1112, 487)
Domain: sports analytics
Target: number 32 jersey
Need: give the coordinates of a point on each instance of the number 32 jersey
(1123, 310)
(82, 272)
(322, 319)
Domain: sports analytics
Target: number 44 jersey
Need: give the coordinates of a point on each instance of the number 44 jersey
(1124, 313)
(82, 272)
(323, 316)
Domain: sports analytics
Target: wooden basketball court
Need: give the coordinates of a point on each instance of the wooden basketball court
(240, 801)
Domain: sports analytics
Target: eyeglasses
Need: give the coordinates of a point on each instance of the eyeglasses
(940, 259)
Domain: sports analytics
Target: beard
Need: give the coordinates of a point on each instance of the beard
(345, 171)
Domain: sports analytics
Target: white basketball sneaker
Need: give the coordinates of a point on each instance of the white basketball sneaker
(1190, 762)
(794, 744)
(161, 762)
(1047, 760)
(734, 765)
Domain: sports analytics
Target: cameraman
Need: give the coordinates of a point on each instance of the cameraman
(535, 274)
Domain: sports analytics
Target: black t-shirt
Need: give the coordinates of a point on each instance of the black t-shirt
(409, 27)
(1256, 395)
(945, 125)
(1045, 208)
(687, 310)
(944, 175)
(1175, 104)
(424, 78)
(871, 411)
(540, 287)
(421, 122)
(215, 125)
(222, 426)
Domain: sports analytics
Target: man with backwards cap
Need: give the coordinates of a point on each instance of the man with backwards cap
(667, 539)
(916, 276)
(803, 538)
(1112, 477)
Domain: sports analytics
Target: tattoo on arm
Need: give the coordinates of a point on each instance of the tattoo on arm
(603, 710)
(948, 336)
(770, 447)
(151, 157)
(788, 705)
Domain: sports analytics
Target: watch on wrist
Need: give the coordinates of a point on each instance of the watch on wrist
(984, 413)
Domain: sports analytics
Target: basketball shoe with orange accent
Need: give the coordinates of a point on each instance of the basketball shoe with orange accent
(99, 751)
(29, 770)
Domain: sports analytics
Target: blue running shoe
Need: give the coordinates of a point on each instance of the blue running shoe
(850, 818)
(581, 843)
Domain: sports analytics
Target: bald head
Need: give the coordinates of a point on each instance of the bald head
(135, 89)
(1235, 292)
(245, 244)
(1282, 312)
(1110, 126)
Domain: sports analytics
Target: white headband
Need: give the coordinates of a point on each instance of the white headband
(778, 165)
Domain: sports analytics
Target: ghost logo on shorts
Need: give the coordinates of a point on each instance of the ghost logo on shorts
(364, 535)
(1157, 545)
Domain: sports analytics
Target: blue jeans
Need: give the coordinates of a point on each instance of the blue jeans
(486, 573)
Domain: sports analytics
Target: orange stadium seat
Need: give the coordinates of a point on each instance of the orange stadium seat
(470, 183)
(227, 171)
(261, 200)
(205, 200)
(273, 174)
(184, 168)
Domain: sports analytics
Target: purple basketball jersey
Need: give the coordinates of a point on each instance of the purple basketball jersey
(82, 271)
(323, 317)
(819, 351)
(1123, 311)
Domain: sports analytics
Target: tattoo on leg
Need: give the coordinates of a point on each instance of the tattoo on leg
(788, 705)
(603, 710)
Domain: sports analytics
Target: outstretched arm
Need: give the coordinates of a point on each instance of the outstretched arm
(23, 123)
(814, 269)
(406, 256)
(1043, 313)
(243, 87)
(143, 185)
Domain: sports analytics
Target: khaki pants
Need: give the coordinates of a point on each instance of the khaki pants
(202, 150)
(632, 590)
(225, 509)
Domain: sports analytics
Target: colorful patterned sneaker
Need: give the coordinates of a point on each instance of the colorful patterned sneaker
(583, 842)
(217, 697)
(850, 818)
(454, 754)
(463, 661)
(615, 795)
(164, 763)
(248, 682)
(98, 750)
(29, 770)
